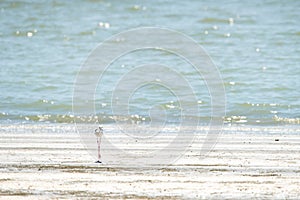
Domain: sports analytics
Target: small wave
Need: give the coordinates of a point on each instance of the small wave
(140, 119)
(83, 33)
(267, 105)
(236, 119)
(137, 8)
(287, 120)
(216, 20)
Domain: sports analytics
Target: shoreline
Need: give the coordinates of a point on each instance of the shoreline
(39, 165)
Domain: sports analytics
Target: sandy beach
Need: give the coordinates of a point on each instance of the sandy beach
(51, 163)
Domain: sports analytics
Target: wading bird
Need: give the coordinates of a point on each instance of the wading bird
(99, 133)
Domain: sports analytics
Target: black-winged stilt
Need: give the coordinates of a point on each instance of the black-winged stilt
(99, 133)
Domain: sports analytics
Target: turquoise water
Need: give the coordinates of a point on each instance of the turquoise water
(255, 44)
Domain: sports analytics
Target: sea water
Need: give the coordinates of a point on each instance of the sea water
(254, 44)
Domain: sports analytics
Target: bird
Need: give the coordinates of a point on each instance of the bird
(98, 134)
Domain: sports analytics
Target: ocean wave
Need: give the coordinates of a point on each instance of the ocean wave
(140, 119)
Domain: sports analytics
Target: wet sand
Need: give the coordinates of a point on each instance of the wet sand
(248, 165)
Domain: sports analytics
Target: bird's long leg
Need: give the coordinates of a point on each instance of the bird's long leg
(98, 143)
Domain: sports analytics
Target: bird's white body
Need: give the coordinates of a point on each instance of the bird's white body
(99, 132)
